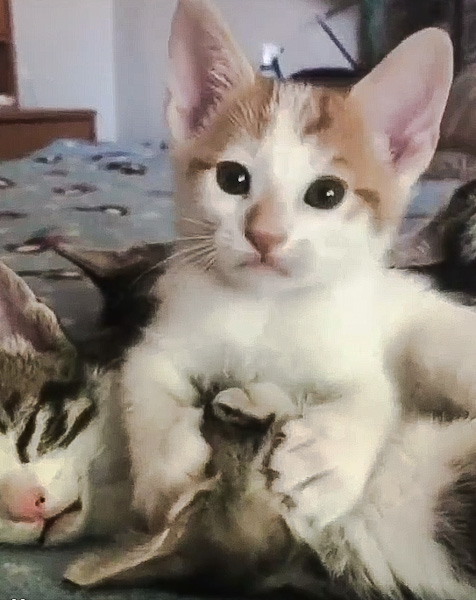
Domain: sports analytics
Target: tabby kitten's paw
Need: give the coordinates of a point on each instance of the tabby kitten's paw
(258, 401)
(320, 468)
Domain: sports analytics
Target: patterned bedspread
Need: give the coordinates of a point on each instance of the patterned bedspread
(105, 195)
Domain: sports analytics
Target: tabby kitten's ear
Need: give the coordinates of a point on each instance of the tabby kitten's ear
(116, 271)
(404, 97)
(25, 321)
(126, 280)
(205, 65)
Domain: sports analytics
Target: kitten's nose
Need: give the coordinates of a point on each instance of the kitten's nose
(264, 226)
(265, 241)
(23, 502)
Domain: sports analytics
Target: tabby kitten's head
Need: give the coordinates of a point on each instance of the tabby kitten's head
(285, 185)
(48, 422)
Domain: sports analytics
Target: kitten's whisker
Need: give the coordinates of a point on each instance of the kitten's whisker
(203, 224)
(199, 256)
(210, 263)
(193, 238)
(206, 262)
(193, 258)
(189, 251)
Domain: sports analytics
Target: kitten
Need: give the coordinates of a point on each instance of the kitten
(63, 468)
(288, 197)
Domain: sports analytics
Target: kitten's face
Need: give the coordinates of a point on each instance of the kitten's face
(283, 185)
(289, 182)
(48, 423)
(47, 443)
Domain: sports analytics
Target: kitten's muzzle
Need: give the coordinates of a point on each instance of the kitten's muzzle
(49, 523)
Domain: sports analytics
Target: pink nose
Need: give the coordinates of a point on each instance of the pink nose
(264, 241)
(23, 503)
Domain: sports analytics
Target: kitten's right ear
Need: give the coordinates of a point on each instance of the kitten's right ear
(205, 65)
(403, 100)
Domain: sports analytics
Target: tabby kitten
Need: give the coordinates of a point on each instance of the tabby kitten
(288, 197)
(63, 464)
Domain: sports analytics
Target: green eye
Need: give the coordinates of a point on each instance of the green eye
(233, 178)
(325, 192)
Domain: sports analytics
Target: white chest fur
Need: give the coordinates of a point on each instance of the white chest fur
(299, 340)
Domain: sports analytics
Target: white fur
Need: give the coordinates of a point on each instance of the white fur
(390, 533)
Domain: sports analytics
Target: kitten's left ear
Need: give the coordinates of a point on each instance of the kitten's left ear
(205, 65)
(404, 97)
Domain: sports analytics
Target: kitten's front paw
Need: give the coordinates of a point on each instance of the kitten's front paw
(319, 469)
(174, 465)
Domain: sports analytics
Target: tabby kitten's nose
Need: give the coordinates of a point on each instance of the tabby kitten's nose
(23, 502)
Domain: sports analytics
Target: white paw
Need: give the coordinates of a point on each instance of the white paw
(175, 467)
(320, 469)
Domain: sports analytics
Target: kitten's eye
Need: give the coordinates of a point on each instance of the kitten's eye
(233, 178)
(325, 192)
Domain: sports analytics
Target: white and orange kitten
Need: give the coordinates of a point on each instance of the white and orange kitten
(288, 197)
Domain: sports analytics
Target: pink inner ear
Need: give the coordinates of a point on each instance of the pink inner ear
(404, 97)
(13, 322)
(413, 127)
(22, 315)
(205, 64)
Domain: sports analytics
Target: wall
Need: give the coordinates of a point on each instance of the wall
(65, 55)
(142, 29)
(111, 55)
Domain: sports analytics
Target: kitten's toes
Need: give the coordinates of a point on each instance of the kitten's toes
(271, 399)
(232, 404)
(316, 475)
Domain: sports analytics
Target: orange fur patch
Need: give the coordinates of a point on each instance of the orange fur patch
(328, 115)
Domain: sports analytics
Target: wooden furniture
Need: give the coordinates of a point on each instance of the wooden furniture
(8, 76)
(24, 130)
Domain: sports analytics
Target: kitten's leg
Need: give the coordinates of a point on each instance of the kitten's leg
(439, 350)
(168, 453)
(327, 456)
(416, 522)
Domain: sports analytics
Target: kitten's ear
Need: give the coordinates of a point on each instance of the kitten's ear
(148, 559)
(116, 271)
(423, 248)
(24, 319)
(404, 97)
(205, 65)
(126, 280)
